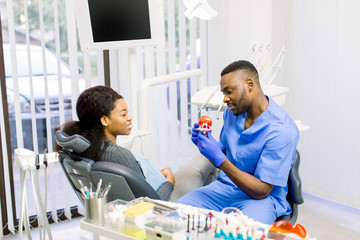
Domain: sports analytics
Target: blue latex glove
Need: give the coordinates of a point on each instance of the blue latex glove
(210, 148)
(195, 134)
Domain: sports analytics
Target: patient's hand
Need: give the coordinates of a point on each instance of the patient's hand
(168, 175)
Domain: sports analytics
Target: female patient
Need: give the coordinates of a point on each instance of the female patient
(103, 114)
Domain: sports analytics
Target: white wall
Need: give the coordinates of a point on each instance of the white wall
(321, 68)
(238, 26)
(322, 72)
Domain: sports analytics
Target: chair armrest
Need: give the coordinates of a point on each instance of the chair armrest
(138, 185)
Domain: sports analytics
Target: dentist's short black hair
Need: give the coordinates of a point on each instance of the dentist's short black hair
(241, 65)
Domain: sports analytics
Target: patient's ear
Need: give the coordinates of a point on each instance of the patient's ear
(104, 121)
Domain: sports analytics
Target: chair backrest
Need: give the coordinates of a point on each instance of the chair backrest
(294, 196)
(125, 183)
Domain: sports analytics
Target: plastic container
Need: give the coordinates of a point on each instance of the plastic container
(113, 215)
(135, 217)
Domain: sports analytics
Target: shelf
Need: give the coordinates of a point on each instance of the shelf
(102, 231)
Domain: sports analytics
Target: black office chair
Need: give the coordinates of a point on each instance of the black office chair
(80, 172)
(294, 196)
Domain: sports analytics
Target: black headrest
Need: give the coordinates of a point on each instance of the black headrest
(75, 143)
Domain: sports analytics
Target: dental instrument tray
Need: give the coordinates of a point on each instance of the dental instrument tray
(160, 208)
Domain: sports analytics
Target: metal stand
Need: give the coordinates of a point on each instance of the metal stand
(28, 161)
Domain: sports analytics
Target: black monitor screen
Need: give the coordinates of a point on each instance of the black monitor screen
(119, 20)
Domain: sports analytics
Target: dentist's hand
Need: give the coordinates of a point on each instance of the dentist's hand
(210, 148)
(195, 134)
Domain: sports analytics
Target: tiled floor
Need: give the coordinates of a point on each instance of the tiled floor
(323, 219)
(328, 220)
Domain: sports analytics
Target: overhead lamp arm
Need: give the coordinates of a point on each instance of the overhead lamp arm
(199, 8)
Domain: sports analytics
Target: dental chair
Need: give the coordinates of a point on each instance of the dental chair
(294, 196)
(125, 183)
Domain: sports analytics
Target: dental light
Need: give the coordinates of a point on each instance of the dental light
(199, 8)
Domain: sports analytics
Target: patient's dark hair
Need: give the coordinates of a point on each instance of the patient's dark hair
(92, 104)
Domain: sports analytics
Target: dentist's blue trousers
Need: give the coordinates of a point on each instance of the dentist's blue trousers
(217, 196)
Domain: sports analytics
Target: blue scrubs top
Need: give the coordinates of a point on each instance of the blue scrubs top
(265, 150)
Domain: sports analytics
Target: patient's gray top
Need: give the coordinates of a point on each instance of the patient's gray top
(110, 152)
